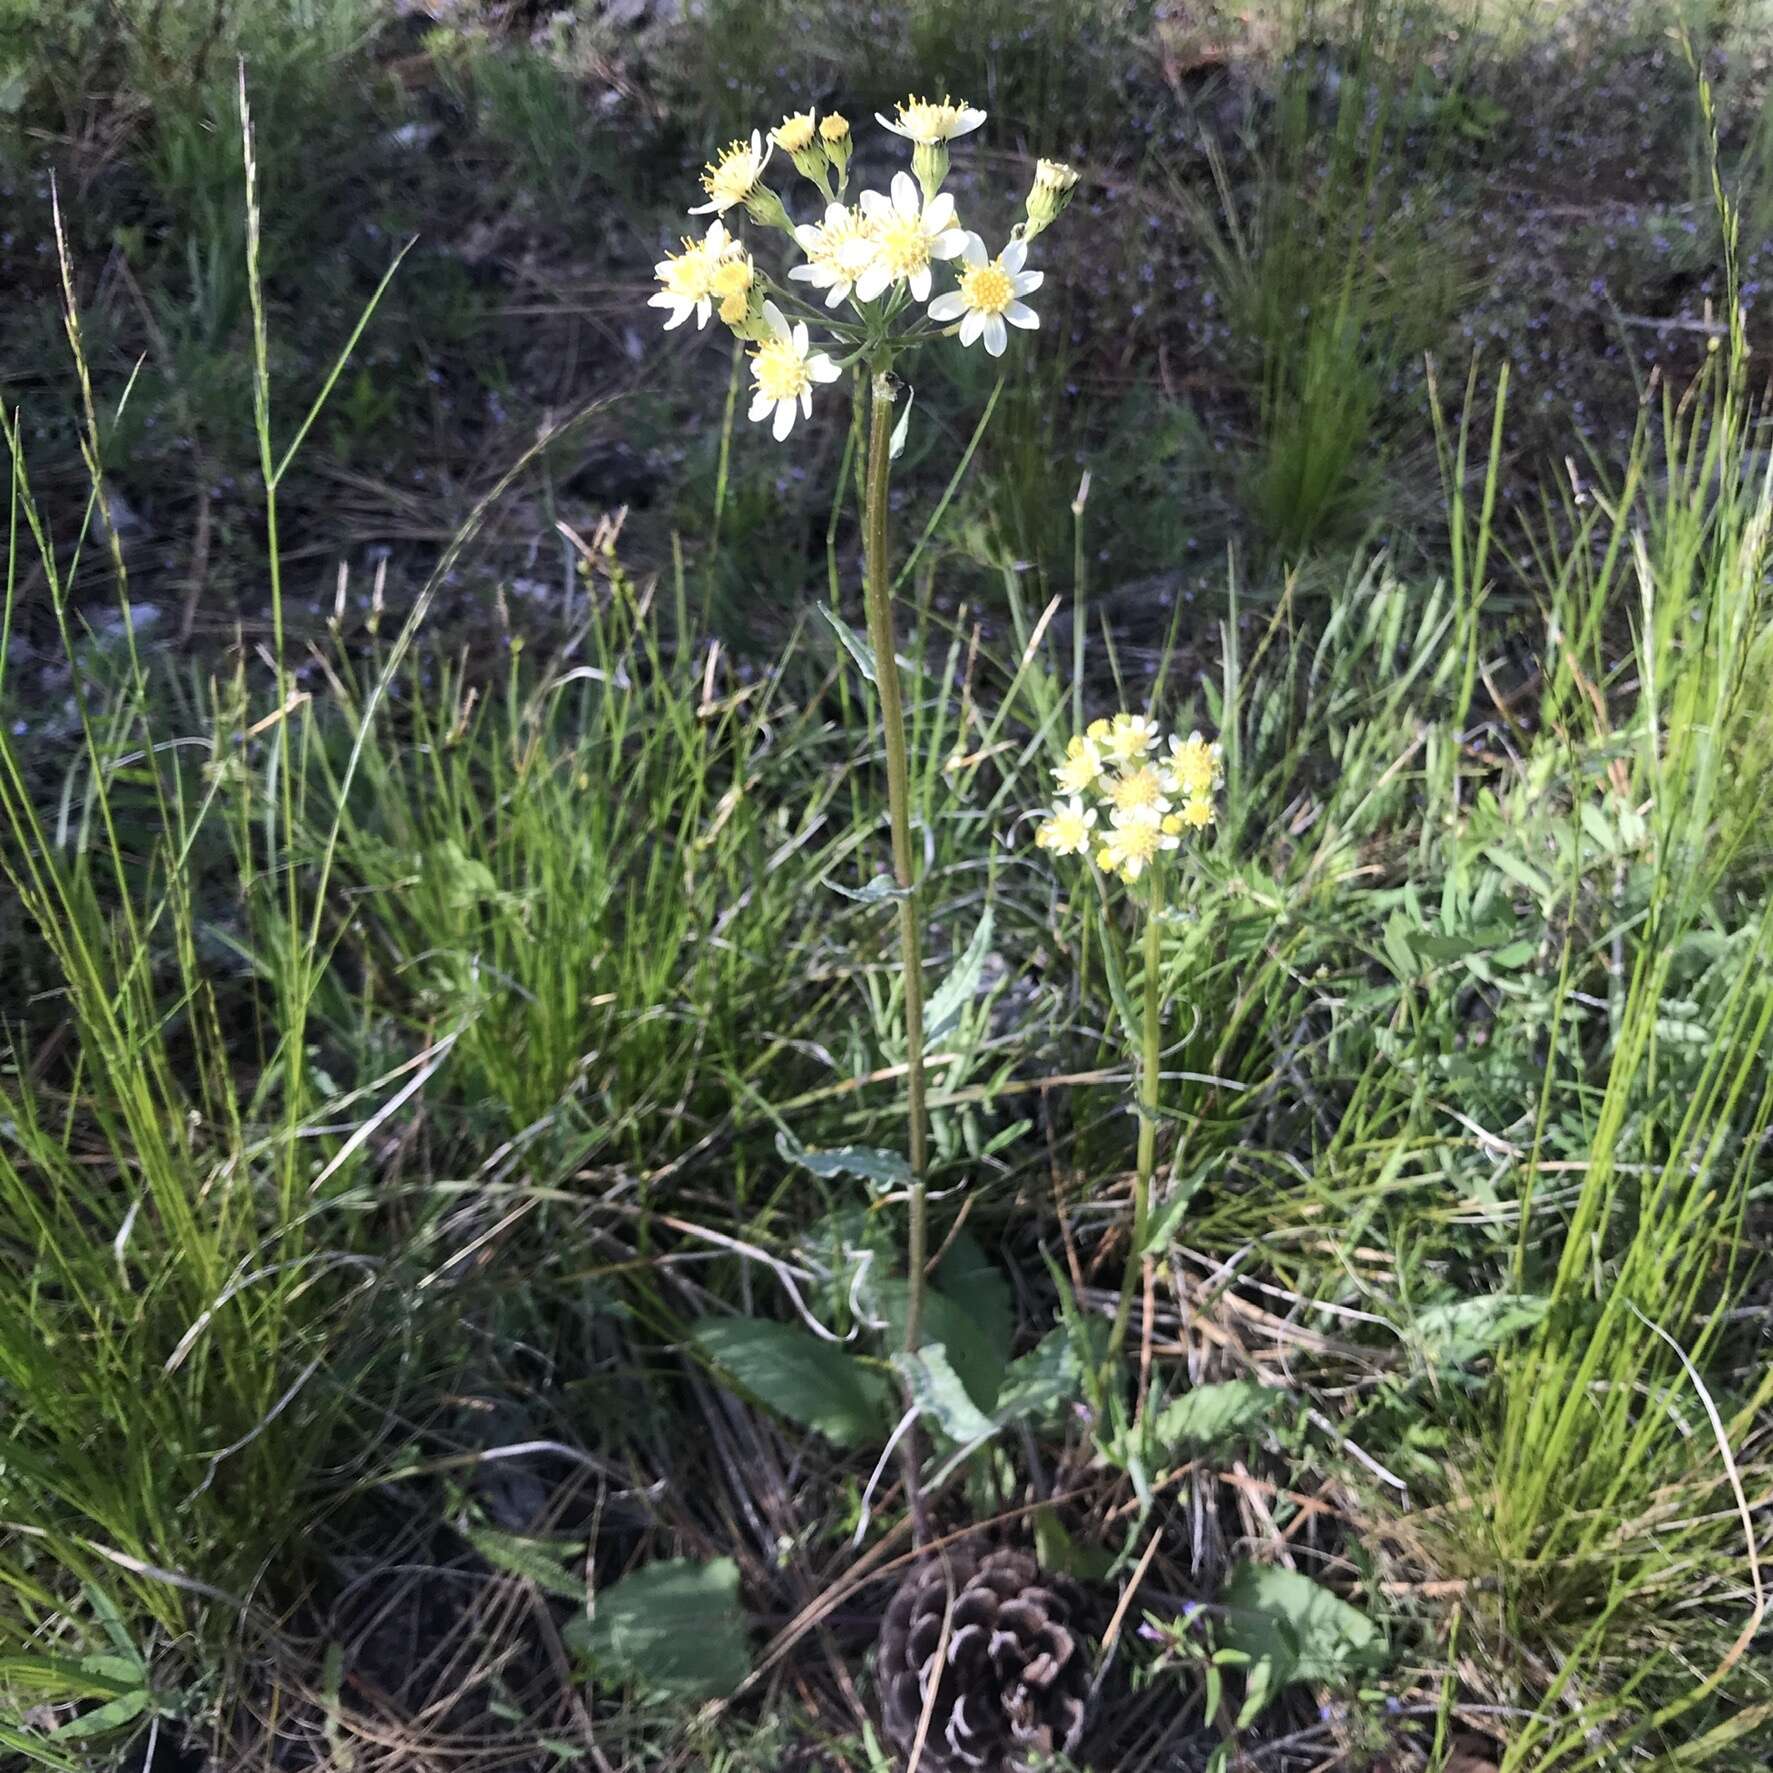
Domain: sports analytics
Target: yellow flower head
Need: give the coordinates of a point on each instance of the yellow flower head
(1195, 767)
(1138, 790)
(1129, 736)
(930, 121)
(794, 133)
(1197, 812)
(834, 128)
(1082, 767)
(1134, 839)
(687, 278)
(733, 277)
(732, 178)
(1054, 175)
(1066, 830)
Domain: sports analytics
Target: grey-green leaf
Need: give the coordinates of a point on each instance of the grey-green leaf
(1206, 1417)
(881, 888)
(541, 1561)
(790, 1370)
(956, 991)
(674, 1627)
(857, 648)
(1298, 1627)
(881, 1170)
(936, 1386)
(1455, 1335)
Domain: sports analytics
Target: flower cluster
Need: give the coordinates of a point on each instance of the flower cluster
(1151, 796)
(873, 261)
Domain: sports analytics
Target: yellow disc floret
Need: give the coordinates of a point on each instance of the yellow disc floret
(731, 178)
(932, 120)
(834, 128)
(688, 275)
(1138, 790)
(732, 279)
(987, 288)
(780, 370)
(795, 132)
(904, 246)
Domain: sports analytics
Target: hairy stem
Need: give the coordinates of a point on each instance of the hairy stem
(892, 720)
(1150, 1058)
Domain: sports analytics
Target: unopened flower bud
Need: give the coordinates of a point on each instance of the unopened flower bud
(798, 137)
(929, 160)
(1054, 183)
(765, 208)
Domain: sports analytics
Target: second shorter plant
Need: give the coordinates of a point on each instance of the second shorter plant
(1129, 802)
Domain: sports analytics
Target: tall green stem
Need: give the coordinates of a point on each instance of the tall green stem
(892, 720)
(1150, 1058)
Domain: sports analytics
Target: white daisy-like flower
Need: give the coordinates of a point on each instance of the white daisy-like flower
(929, 121)
(784, 369)
(1125, 737)
(838, 251)
(1141, 789)
(1082, 767)
(735, 175)
(1134, 838)
(688, 277)
(990, 293)
(908, 235)
(1195, 766)
(1066, 830)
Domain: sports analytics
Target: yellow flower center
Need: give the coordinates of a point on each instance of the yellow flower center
(732, 279)
(926, 120)
(1054, 175)
(905, 246)
(987, 289)
(834, 128)
(847, 245)
(781, 371)
(687, 276)
(1140, 789)
(730, 180)
(1197, 811)
(734, 309)
(1193, 767)
(794, 133)
(1137, 842)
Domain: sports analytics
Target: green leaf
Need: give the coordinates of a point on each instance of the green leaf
(1297, 1627)
(854, 644)
(897, 447)
(1041, 1383)
(883, 1171)
(881, 888)
(61, 1679)
(1523, 874)
(936, 1387)
(957, 990)
(976, 1284)
(112, 1715)
(1057, 1550)
(674, 1627)
(791, 1371)
(969, 1347)
(542, 1561)
(1456, 1335)
(1211, 1416)
(1167, 1221)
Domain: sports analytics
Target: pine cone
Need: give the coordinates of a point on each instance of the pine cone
(1016, 1675)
